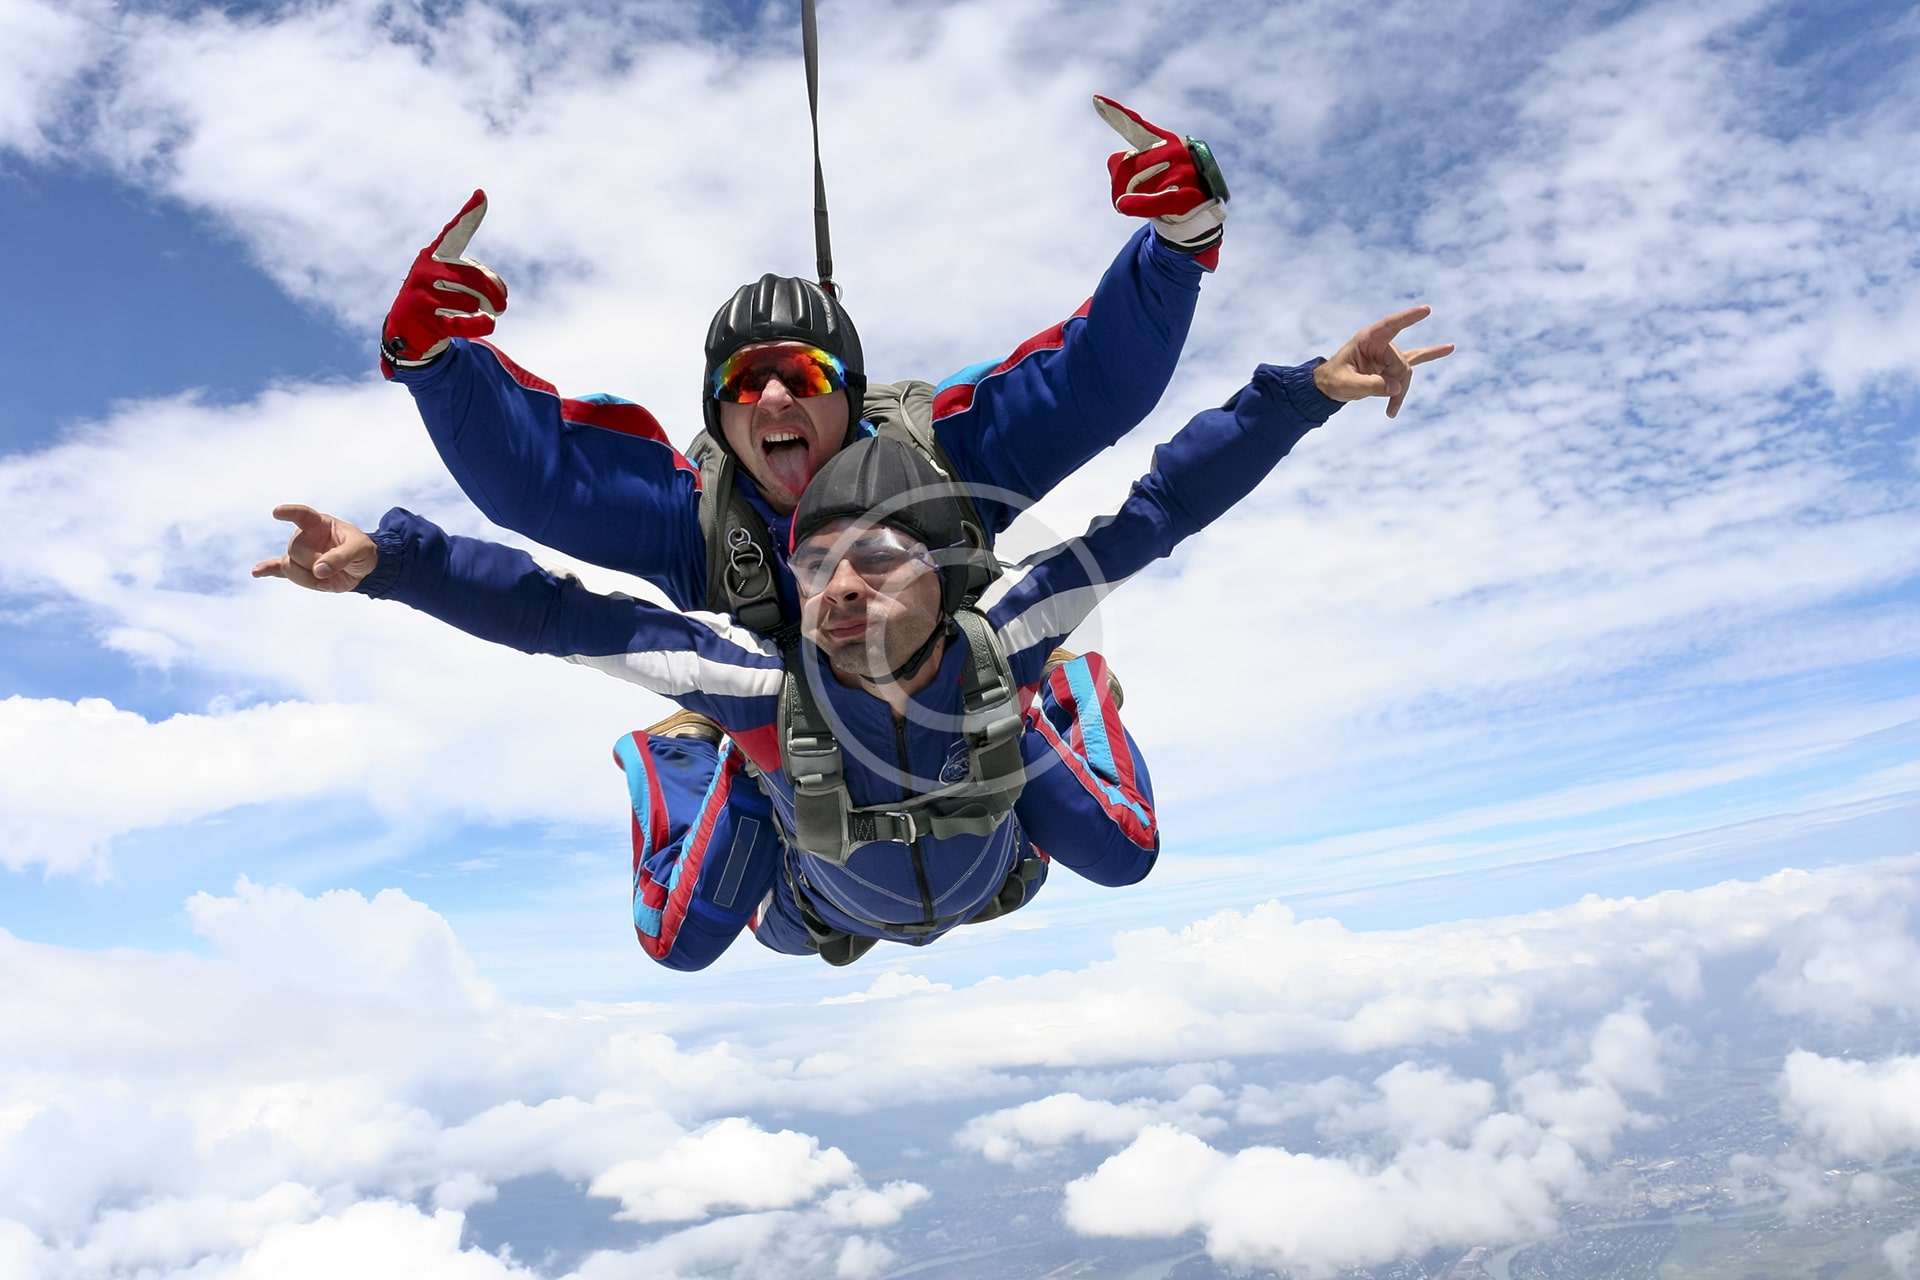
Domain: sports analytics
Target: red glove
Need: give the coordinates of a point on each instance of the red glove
(444, 296)
(1169, 179)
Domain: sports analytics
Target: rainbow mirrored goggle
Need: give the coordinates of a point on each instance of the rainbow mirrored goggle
(802, 370)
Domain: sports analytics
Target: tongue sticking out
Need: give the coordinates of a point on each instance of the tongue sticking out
(791, 464)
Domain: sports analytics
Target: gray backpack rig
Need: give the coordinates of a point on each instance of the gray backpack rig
(741, 581)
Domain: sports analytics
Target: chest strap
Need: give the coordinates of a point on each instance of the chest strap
(829, 826)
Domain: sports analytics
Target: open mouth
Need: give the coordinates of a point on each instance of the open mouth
(788, 458)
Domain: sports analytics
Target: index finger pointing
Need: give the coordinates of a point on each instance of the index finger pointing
(1400, 321)
(455, 236)
(299, 514)
(1127, 123)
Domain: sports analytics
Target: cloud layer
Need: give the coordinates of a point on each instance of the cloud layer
(333, 1072)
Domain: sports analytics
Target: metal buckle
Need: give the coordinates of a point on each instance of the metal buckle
(744, 559)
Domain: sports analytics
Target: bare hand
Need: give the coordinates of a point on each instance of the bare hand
(327, 554)
(1370, 365)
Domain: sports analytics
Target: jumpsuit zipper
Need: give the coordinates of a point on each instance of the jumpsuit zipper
(913, 846)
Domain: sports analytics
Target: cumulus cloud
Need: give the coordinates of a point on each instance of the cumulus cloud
(1850, 1109)
(335, 1050)
(1461, 1172)
(801, 1244)
(1416, 1104)
(1242, 982)
(1268, 1207)
(81, 773)
(1845, 973)
(334, 1059)
(870, 1208)
(731, 1163)
(1014, 1135)
(372, 1238)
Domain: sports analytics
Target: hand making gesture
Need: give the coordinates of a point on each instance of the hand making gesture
(327, 554)
(1370, 365)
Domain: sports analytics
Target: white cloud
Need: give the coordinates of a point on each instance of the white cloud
(1271, 1208)
(343, 1047)
(1416, 1104)
(1591, 1113)
(1268, 1107)
(1846, 971)
(1853, 1110)
(81, 773)
(175, 1232)
(44, 48)
(375, 1238)
(1013, 1135)
(733, 1164)
(1247, 982)
(870, 1208)
(799, 1244)
(890, 985)
(23, 1256)
(863, 1259)
(1902, 1252)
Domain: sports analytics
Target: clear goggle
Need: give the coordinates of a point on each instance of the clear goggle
(877, 554)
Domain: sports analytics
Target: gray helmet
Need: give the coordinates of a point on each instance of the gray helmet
(782, 309)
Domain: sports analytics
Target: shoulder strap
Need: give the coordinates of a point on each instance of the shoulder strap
(741, 580)
(904, 411)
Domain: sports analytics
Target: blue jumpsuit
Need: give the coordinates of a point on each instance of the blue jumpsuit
(1091, 810)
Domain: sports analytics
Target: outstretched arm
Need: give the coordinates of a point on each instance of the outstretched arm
(1216, 460)
(1024, 422)
(595, 478)
(497, 593)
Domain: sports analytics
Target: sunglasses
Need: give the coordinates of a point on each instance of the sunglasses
(876, 555)
(804, 371)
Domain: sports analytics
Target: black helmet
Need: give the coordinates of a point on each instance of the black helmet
(892, 483)
(782, 309)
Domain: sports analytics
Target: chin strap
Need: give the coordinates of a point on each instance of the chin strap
(918, 658)
(822, 246)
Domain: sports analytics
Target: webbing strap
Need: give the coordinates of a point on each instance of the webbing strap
(822, 247)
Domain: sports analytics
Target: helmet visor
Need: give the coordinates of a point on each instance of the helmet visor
(803, 370)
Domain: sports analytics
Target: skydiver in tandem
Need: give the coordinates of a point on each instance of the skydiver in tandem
(598, 479)
(920, 757)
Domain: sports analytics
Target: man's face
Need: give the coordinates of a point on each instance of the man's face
(781, 437)
(869, 596)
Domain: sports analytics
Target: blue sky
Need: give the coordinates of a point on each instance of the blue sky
(1623, 603)
(126, 296)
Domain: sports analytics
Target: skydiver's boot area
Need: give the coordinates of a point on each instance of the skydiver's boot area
(687, 724)
(1060, 657)
(705, 849)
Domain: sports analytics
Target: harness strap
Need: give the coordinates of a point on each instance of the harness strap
(810, 49)
(826, 823)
